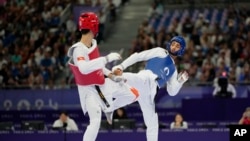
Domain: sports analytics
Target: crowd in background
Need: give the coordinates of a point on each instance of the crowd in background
(211, 49)
(34, 41)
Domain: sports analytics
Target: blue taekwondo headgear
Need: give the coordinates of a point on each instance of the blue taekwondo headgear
(181, 41)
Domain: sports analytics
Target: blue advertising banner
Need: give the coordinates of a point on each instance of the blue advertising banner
(39, 99)
(17, 105)
(69, 99)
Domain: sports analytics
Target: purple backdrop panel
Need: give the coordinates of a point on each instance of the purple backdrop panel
(48, 116)
(214, 109)
(165, 101)
(69, 99)
(39, 99)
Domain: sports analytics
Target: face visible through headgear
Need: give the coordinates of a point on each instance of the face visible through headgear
(175, 47)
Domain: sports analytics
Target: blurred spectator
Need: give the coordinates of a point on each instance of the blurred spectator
(47, 66)
(179, 123)
(151, 10)
(70, 24)
(244, 75)
(35, 33)
(46, 15)
(65, 122)
(223, 88)
(22, 77)
(2, 60)
(112, 11)
(102, 20)
(120, 114)
(145, 27)
(3, 75)
(88, 2)
(245, 119)
(187, 27)
(124, 2)
(155, 10)
(35, 79)
(199, 22)
(16, 57)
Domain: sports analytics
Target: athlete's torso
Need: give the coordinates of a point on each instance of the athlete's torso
(162, 67)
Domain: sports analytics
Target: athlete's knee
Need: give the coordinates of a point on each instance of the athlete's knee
(95, 122)
(135, 93)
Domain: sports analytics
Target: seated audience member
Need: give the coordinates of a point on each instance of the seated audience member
(179, 123)
(65, 123)
(223, 89)
(120, 114)
(245, 119)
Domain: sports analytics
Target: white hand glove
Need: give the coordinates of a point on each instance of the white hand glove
(117, 78)
(117, 67)
(182, 77)
(113, 56)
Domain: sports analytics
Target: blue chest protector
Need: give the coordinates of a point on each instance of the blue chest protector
(164, 68)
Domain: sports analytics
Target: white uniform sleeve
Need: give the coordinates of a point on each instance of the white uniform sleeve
(172, 125)
(72, 125)
(173, 85)
(106, 71)
(216, 89)
(87, 66)
(57, 123)
(185, 125)
(144, 56)
(232, 89)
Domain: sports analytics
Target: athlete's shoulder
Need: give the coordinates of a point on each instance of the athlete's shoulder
(77, 46)
(160, 49)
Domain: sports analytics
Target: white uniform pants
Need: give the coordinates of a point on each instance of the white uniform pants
(92, 103)
(144, 82)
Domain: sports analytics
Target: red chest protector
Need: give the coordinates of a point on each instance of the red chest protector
(95, 77)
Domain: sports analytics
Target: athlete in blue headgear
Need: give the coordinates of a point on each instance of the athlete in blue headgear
(160, 71)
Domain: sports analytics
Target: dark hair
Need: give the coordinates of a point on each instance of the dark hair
(64, 112)
(84, 31)
(79, 33)
(223, 93)
(223, 83)
(181, 117)
(124, 116)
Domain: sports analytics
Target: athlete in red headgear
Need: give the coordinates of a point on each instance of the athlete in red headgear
(96, 91)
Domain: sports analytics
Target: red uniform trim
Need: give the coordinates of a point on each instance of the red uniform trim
(95, 77)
